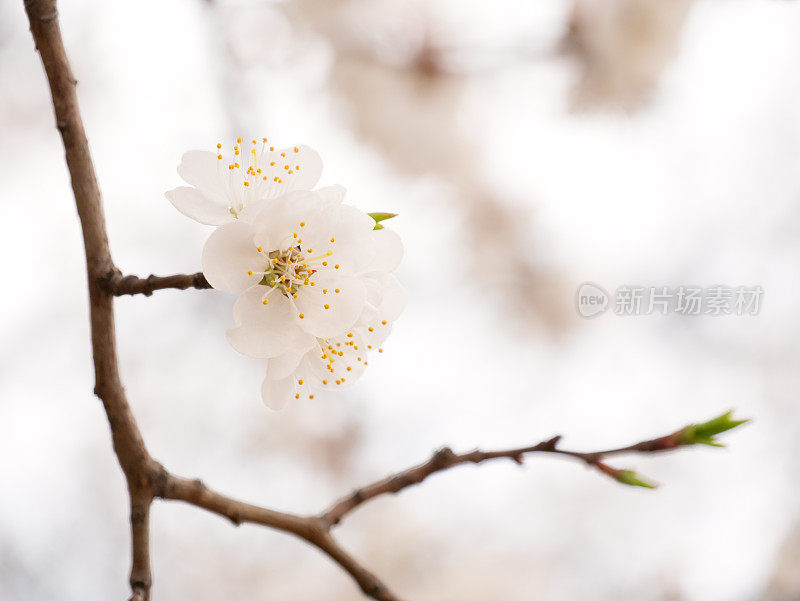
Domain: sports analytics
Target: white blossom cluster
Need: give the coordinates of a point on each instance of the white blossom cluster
(313, 275)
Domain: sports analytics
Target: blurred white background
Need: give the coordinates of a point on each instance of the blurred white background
(528, 147)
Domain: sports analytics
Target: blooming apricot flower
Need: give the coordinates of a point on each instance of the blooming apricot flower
(221, 188)
(311, 273)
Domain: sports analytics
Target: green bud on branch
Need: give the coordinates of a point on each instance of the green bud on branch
(628, 477)
(378, 217)
(705, 432)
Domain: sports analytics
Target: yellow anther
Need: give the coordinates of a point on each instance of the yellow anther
(283, 154)
(302, 316)
(300, 382)
(265, 301)
(324, 291)
(286, 167)
(259, 248)
(350, 334)
(264, 140)
(238, 140)
(294, 295)
(296, 149)
(333, 239)
(249, 272)
(265, 178)
(294, 235)
(349, 368)
(254, 142)
(302, 224)
(271, 148)
(246, 184)
(380, 350)
(275, 179)
(324, 381)
(297, 396)
(337, 291)
(219, 156)
(313, 283)
(371, 329)
(327, 306)
(336, 266)
(369, 346)
(325, 263)
(219, 145)
(272, 164)
(311, 396)
(338, 381)
(384, 322)
(274, 261)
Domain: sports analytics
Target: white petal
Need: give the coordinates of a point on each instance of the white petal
(394, 298)
(204, 171)
(331, 195)
(344, 306)
(375, 333)
(229, 253)
(265, 331)
(280, 219)
(305, 166)
(283, 365)
(276, 393)
(192, 203)
(343, 231)
(388, 251)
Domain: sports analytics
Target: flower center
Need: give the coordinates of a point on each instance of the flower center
(287, 270)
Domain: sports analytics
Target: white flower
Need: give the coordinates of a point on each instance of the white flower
(311, 273)
(222, 188)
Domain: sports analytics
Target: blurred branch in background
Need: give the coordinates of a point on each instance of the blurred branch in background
(623, 47)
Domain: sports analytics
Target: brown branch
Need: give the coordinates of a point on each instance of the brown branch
(309, 528)
(445, 458)
(127, 440)
(120, 285)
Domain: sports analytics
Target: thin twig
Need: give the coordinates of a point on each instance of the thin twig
(445, 458)
(120, 285)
